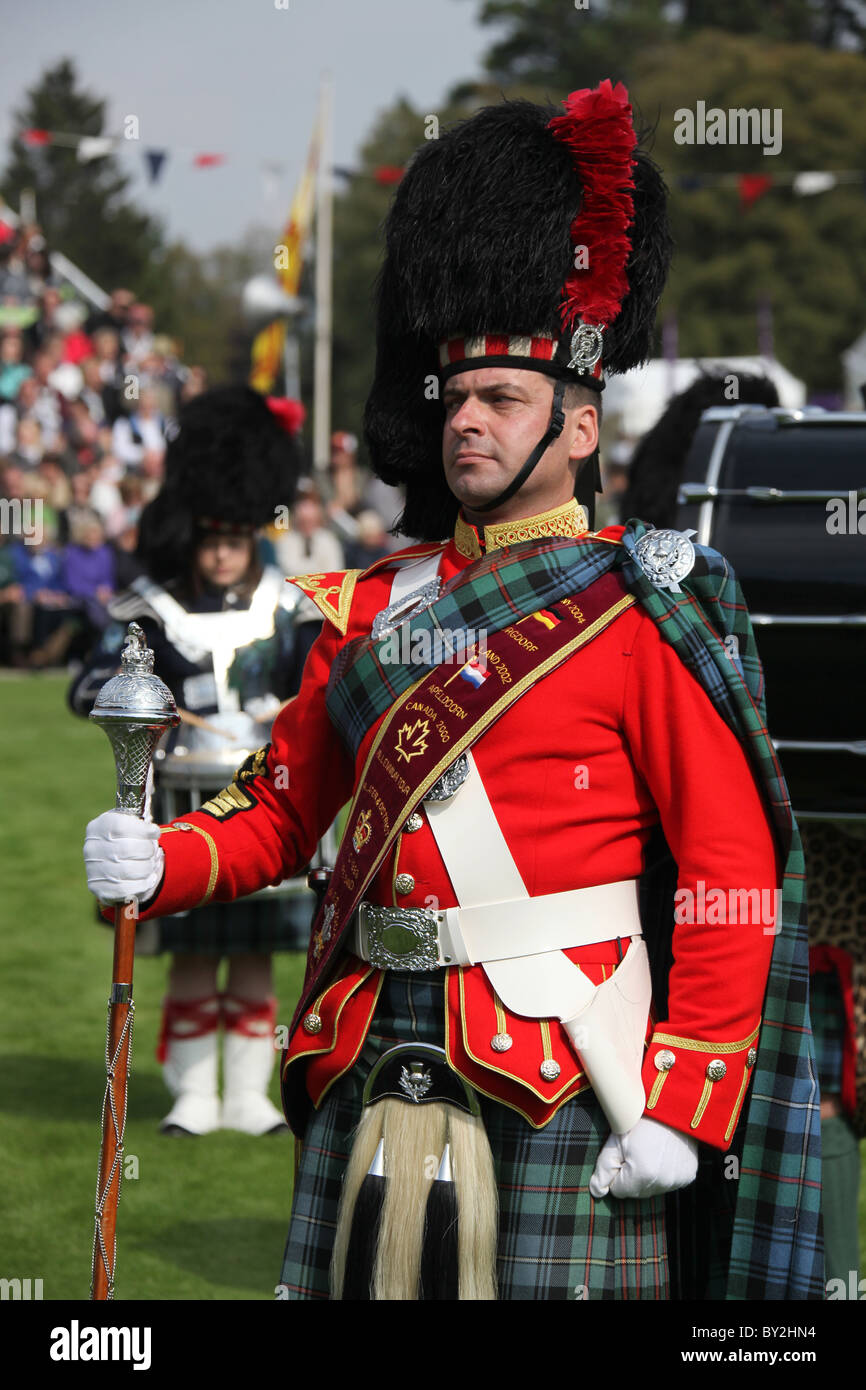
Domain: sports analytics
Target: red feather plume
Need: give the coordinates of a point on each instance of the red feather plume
(598, 132)
(290, 414)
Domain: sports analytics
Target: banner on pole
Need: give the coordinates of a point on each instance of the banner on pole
(288, 261)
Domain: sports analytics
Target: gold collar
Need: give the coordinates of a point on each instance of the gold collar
(568, 520)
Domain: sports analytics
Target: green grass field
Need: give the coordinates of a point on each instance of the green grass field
(204, 1219)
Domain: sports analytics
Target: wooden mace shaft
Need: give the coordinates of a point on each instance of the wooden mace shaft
(111, 1152)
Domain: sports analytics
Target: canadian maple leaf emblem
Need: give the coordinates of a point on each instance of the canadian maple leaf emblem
(412, 739)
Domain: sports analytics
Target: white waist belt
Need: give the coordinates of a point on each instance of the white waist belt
(411, 938)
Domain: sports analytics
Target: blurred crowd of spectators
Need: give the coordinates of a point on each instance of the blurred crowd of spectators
(87, 401)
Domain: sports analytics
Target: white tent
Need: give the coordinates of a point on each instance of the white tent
(634, 401)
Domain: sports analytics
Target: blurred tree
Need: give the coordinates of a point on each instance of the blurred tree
(828, 23)
(553, 46)
(80, 206)
(359, 212)
(557, 47)
(196, 300)
(804, 255)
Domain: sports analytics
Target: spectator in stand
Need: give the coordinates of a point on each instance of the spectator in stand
(127, 566)
(37, 263)
(88, 573)
(26, 270)
(14, 286)
(65, 377)
(309, 547)
(11, 595)
(140, 433)
(345, 483)
(371, 544)
(76, 343)
(22, 408)
(13, 481)
(29, 444)
(43, 612)
(80, 506)
(194, 382)
(152, 473)
(160, 370)
(115, 317)
(13, 368)
(106, 348)
(93, 394)
(45, 325)
(137, 337)
(83, 435)
(54, 482)
(352, 493)
(105, 493)
(47, 407)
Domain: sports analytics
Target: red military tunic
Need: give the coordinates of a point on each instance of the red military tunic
(617, 739)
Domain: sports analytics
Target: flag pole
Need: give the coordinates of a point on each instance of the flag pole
(323, 284)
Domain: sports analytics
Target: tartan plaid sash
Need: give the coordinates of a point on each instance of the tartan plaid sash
(500, 588)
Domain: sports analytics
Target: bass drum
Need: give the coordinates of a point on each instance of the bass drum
(781, 494)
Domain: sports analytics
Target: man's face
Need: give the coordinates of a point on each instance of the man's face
(494, 418)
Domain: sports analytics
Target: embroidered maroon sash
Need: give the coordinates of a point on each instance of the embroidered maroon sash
(428, 727)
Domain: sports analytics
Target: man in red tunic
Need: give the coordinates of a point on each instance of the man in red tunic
(572, 772)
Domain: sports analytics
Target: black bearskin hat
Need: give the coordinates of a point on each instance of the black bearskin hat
(480, 241)
(658, 462)
(232, 461)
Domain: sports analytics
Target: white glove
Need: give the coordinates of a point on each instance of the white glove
(650, 1159)
(123, 857)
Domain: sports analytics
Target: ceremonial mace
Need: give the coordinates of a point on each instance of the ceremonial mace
(134, 708)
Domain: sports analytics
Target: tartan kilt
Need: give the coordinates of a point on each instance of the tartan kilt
(555, 1240)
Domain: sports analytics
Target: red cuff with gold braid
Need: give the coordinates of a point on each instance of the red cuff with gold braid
(697, 1086)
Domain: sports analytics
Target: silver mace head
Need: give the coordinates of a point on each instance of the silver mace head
(134, 708)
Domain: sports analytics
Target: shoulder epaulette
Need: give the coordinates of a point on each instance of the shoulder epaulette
(331, 593)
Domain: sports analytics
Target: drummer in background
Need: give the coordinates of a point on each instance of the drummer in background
(225, 640)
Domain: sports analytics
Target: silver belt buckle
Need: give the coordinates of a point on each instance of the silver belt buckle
(401, 938)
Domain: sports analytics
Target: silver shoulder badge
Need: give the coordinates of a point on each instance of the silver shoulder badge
(666, 557)
(389, 619)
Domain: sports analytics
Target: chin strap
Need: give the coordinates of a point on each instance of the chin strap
(554, 430)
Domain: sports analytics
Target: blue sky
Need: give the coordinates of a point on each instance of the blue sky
(239, 77)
